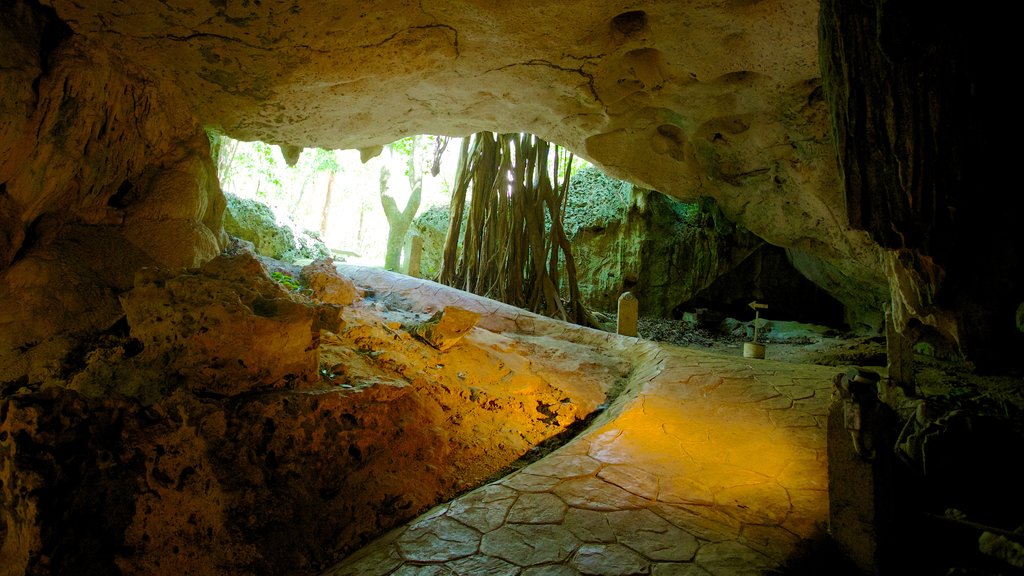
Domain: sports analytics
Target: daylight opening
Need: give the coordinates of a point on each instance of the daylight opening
(523, 221)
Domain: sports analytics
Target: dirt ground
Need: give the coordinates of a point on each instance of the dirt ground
(784, 341)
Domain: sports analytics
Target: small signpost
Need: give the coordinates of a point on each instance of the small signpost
(755, 349)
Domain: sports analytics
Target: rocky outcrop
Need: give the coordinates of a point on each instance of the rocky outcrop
(101, 173)
(219, 427)
(323, 280)
(446, 327)
(713, 112)
(254, 221)
(908, 105)
(768, 276)
(735, 112)
(432, 227)
(662, 250)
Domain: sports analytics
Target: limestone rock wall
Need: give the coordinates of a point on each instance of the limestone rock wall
(722, 99)
(911, 109)
(625, 238)
(102, 171)
(229, 424)
(254, 221)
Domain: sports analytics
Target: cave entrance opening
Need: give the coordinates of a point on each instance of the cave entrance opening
(334, 200)
(358, 206)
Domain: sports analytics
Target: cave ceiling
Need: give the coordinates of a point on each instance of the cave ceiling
(687, 98)
(721, 99)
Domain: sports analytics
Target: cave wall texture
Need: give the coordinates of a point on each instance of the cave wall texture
(105, 170)
(104, 166)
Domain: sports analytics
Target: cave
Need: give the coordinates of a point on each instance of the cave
(171, 402)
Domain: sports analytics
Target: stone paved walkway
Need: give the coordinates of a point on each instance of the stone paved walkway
(705, 464)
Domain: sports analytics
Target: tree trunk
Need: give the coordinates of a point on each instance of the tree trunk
(325, 216)
(508, 251)
(399, 221)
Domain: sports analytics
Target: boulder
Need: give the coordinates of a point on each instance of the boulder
(226, 327)
(446, 327)
(327, 285)
(254, 221)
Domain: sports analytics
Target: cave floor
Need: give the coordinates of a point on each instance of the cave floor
(704, 464)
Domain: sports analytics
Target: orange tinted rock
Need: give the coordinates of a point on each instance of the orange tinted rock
(227, 327)
(327, 284)
(446, 327)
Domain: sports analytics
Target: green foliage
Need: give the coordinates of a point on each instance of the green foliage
(325, 161)
(574, 162)
(595, 199)
(405, 146)
(289, 282)
(417, 152)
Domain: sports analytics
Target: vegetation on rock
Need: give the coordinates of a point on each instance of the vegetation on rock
(253, 221)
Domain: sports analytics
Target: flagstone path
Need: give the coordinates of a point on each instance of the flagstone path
(704, 464)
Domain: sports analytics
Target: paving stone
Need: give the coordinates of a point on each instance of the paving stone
(631, 479)
(732, 559)
(651, 535)
(559, 465)
(715, 476)
(771, 541)
(550, 570)
(705, 522)
(764, 503)
(525, 482)
(807, 438)
(608, 560)
(745, 390)
(438, 540)
(711, 466)
(580, 445)
(676, 569)
(484, 509)
(778, 402)
(685, 489)
(529, 544)
(804, 474)
(810, 513)
(592, 493)
(814, 406)
(652, 450)
(796, 391)
(589, 525)
(424, 570)
(537, 509)
(793, 418)
(481, 565)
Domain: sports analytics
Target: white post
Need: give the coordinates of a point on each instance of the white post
(628, 315)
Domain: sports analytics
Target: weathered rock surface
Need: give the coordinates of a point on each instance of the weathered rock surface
(327, 285)
(103, 104)
(254, 221)
(227, 328)
(660, 249)
(101, 173)
(217, 428)
(733, 112)
(446, 327)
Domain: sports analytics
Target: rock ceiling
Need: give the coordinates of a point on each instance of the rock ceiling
(719, 98)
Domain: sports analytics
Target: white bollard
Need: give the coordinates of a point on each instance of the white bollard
(628, 314)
